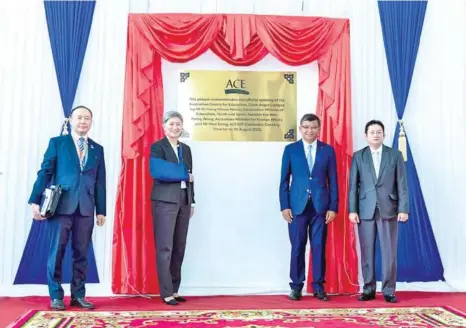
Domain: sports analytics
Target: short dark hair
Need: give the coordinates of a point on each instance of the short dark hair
(374, 122)
(310, 118)
(81, 106)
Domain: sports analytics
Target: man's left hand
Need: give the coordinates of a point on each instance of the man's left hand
(192, 212)
(100, 220)
(402, 217)
(330, 216)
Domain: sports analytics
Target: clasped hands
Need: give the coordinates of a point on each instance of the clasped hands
(288, 216)
(354, 217)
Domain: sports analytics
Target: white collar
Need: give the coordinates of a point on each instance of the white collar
(313, 144)
(76, 137)
(373, 151)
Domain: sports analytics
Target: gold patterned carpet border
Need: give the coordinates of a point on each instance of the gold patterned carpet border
(353, 317)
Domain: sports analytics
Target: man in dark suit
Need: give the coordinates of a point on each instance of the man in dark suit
(76, 163)
(309, 204)
(172, 197)
(378, 199)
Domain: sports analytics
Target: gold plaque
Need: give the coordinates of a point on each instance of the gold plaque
(238, 106)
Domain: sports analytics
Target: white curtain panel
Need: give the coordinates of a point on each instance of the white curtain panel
(31, 113)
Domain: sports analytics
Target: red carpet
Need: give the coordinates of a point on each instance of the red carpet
(13, 308)
(429, 317)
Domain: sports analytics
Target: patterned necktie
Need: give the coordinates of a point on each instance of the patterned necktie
(81, 147)
(310, 160)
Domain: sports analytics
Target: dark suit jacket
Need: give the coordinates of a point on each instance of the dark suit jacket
(169, 191)
(322, 181)
(389, 191)
(86, 188)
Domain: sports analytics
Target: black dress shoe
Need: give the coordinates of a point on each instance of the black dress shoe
(180, 299)
(321, 296)
(171, 302)
(390, 298)
(295, 295)
(366, 297)
(82, 303)
(57, 304)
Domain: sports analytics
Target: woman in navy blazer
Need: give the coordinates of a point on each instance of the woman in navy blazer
(172, 204)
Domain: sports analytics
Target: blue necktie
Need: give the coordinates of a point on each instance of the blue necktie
(310, 161)
(180, 154)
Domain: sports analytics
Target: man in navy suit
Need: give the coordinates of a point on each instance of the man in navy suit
(309, 204)
(76, 163)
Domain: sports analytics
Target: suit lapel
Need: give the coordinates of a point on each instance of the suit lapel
(184, 153)
(384, 161)
(368, 160)
(91, 152)
(171, 156)
(302, 154)
(318, 155)
(72, 150)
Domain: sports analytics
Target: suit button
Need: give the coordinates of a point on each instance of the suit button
(80, 174)
(310, 178)
(307, 190)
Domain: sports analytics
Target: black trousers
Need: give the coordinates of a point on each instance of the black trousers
(171, 223)
(61, 227)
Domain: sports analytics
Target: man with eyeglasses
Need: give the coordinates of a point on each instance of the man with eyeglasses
(309, 203)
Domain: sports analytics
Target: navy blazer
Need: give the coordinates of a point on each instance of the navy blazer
(168, 173)
(322, 181)
(86, 188)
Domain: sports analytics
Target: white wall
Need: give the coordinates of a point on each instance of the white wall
(30, 113)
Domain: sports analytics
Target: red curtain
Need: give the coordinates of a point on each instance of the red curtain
(240, 40)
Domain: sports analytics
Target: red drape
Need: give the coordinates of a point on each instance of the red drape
(240, 40)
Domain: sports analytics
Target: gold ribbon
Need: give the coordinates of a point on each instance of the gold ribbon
(65, 127)
(402, 144)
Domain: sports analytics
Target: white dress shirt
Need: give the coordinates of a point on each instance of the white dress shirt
(175, 149)
(313, 154)
(377, 159)
(76, 138)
